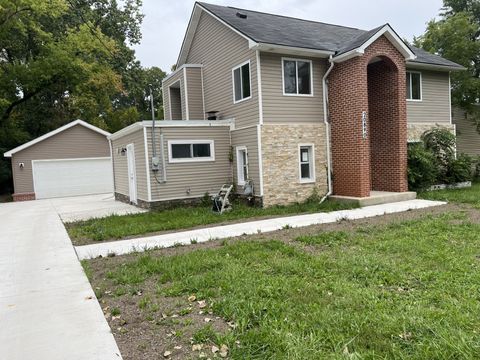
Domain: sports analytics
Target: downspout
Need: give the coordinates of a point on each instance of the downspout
(327, 129)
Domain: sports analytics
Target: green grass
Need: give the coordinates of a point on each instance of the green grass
(409, 290)
(117, 227)
(466, 196)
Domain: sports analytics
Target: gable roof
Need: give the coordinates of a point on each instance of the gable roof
(263, 28)
(54, 132)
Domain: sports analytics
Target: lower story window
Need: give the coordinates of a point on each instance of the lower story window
(242, 165)
(306, 164)
(190, 150)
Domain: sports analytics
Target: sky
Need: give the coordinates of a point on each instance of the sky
(166, 21)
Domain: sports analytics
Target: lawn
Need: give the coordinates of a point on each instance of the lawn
(467, 196)
(405, 290)
(122, 226)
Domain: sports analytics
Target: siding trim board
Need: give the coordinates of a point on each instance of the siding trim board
(147, 165)
(185, 89)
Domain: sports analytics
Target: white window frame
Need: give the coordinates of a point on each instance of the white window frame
(240, 180)
(192, 159)
(241, 82)
(421, 86)
(312, 164)
(296, 74)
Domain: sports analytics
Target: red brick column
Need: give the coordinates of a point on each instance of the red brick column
(360, 163)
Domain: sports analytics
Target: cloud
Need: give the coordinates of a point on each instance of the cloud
(166, 20)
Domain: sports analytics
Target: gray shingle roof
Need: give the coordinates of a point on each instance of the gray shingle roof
(288, 31)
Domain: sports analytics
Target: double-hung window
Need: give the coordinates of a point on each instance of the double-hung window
(242, 165)
(190, 150)
(241, 82)
(297, 77)
(306, 163)
(414, 86)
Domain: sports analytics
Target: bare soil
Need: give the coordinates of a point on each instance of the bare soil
(169, 324)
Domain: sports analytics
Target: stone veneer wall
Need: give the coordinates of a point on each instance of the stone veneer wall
(415, 131)
(280, 159)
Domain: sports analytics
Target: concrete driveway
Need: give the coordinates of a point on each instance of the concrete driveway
(48, 309)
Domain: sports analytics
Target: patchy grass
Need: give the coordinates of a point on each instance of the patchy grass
(122, 226)
(466, 196)
(408, 290)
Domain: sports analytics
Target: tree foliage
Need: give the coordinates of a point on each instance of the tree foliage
(66, 59)
(456, 36)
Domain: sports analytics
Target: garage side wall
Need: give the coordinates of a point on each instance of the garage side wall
(75, 142)
(191, 180)
(120, 166)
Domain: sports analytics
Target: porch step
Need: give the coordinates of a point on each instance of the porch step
(376, 198)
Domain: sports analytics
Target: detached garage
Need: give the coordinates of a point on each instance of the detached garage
(71, 160)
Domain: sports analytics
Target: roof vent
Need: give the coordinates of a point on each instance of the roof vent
(241, 15)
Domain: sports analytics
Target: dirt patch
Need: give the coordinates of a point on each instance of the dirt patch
(147, 324)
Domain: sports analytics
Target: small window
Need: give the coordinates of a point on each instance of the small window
(187, 151)
(307, 168)
(242, 165)
(414, 86)
(297, 77)
(241, 82)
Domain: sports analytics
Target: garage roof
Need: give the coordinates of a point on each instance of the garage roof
(54, 132)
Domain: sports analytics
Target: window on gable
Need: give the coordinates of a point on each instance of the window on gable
(414, 85)
(297, 77)
(241, 82)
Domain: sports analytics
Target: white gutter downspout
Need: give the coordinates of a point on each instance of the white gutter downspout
(327, 129)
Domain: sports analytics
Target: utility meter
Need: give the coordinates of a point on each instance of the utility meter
(155, 163)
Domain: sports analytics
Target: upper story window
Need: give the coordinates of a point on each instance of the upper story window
(414, 86)
(297, 77)
(190, 150)
(241, 82)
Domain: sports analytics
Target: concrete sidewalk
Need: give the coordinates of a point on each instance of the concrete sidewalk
(225, 231)
(48, 309)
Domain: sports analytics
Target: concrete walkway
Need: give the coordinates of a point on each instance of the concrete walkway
(225, 231)
(48, 309)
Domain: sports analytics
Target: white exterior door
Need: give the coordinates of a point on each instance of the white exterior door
(72, 177)
(132, 176)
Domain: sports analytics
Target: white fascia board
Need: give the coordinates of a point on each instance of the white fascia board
(390, 34)
(55, 132)
(180, 69)
(290, 50)
(125, 131)
(187, 123)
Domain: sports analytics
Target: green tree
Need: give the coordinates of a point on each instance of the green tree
(455, 36)
(67, 59)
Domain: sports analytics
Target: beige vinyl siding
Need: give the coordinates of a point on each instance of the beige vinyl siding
(283, 108)
(75, 142)
(121, 168)
(199, 177)
(247, 137)
(468, 139)
(435, 104)
(194, 93)
(219, 49)
(179, 76)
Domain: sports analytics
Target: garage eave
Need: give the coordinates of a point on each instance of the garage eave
(9, 154)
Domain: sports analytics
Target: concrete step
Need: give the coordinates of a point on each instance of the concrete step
(377, 198)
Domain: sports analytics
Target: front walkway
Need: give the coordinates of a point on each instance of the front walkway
(246, 228)
(48, 309)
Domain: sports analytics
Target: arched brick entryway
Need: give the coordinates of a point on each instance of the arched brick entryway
(372, 84)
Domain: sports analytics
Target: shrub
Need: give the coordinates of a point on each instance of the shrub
(441, 142)
(459, 169)
(422, 167)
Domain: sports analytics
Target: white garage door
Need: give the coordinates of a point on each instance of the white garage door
(70, 177)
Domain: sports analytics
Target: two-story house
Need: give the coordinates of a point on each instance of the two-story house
(290, 104)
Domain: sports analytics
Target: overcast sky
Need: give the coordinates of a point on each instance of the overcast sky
(165, 21)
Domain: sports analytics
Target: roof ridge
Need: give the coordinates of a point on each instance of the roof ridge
(285, 16)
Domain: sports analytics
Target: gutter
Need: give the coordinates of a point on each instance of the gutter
(327, 129)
